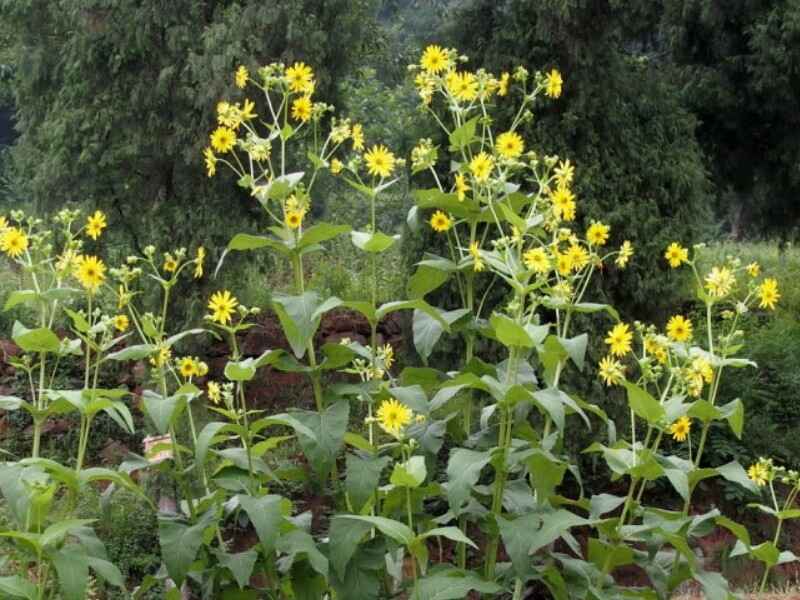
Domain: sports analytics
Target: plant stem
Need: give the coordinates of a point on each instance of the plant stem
(766, 567)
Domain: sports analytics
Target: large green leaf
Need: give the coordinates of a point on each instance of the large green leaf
(427, 330)
(321, 232)
(453, 584)
(399, 532)
(464, 135)
(18, 297)
(300, 317)
(463, 470)
(516, 540)
(643, 404)
(509, 332)
(163, 411)
(329, 428)
(180, 543)
(299, 542)
(345, 536)
(424, 280)
(137, 352)
(374, 243)
(17, 587)
(363, 477)
(411, 473)
(266, 516)
(72, 568)
(35, 340)
(240, 565)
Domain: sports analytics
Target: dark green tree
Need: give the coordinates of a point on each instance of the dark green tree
(115, 99)
(620, 120)
(739, 61)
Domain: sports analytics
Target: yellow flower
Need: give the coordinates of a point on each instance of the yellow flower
(336, 166)
(170, 264)
(475, 251)
(536, 260)
(578, 256)
(440, 222)
(562, 290)
(481, 167)
(393, 416)
(121, 322)
(461, 187)
(301, 109)
(464, 86)
(553, 84)
(90, 272)
(294, 218)
(95, 224)
(502, 89)
(188, 367)
(703, 369)
(676, 255)
(214, 392)
(199, 260)
(510, 144)
(13, 242)
(241, 77)
(563, 263)
(679, 328)
(301, 78)
(380, 162)
(221, 306)
(563, 203)
(223, 139)
(202, 368)
(654, 348)
(680, 429)
(758, 473)
(753, 269)
(619, 339)
(625, 253)
(768, 294)
(434, 59)
(211, 161)
(358, 137)
(720, 281)
(162, 356)
(611, 371)
(597, 234)
(565, 173)
(248, 111)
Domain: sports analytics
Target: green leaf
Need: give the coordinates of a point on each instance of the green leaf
(451, 533)
(299, 542)
(300, 317)
(243, 370)
(733, 411)
(550, 399)
(424, 280)
(735, 473)
(576, 348)
(547, 473)
(78, 320)
(363, 477)
(643, 404)
(72, 568)
(399, 532)
(240, 565)
(163, 411)
(554, 525)
(321, 232)
(266, 516)
(410, 474)
(108, 571)
(137, 352)
(56, 532)
(509, 332)
(17, 587)
(374, 243)
(345, 536)
(592, 307)
(464, 135)
(35, 340)
(463, 470)
(453, 585)
(417, 304)
(428, 330)
(180, 544)
(609, 556)
(18, 297)
(245, 241)
(329, 428)
(10, 403)
(206, 439)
